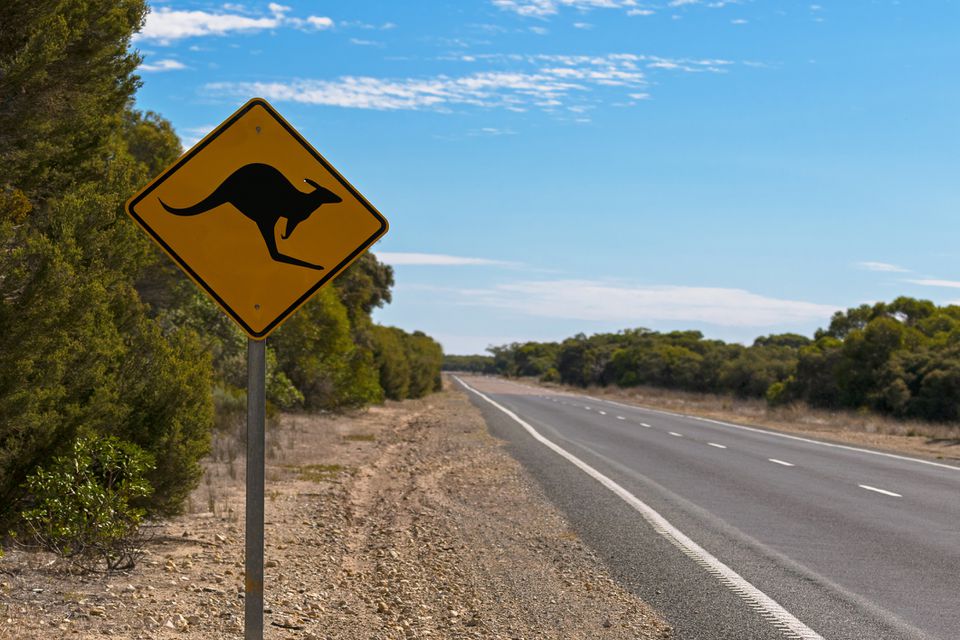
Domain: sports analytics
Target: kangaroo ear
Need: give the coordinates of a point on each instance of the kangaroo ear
(311, 183)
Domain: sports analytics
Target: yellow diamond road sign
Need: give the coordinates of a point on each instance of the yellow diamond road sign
(257, 217)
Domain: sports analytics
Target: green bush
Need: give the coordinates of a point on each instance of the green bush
(550, 375)
(83, 503)
(317, 353)
(777, 394)
(391, 358)
(425, 356)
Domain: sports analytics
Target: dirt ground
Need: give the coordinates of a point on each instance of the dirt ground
(924, 440)
(404, 521)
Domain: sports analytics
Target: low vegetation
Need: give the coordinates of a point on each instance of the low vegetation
(84, 503)
(899, 359)
(102, 339)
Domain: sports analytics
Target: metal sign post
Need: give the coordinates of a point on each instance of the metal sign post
(253, 561)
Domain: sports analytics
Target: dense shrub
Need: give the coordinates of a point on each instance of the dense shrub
(471, 363)
(900, 358)
(392, 362)
(84, 503)
(316, 350)
(99, 333)
(409, 363)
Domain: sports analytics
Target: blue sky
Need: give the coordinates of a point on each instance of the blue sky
(551, 167)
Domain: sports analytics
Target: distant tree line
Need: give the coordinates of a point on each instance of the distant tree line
(102, 339)
(473, 364)
(900, 358)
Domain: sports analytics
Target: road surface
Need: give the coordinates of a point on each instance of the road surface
(742, 533)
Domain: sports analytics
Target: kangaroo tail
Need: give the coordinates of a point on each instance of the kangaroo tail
(212, 201)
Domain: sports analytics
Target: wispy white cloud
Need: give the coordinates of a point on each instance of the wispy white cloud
(165, 25)
(514, 82)
(882, 267)
(357, 24)
(192, 135)
(589, 300)
(542, 8)
(934, 282)
(488, 89)
(365, 43)
(454, 343)
(437, 260)
(492, 131)
(546, 8)
(162, 65)
(713, 4)
(319, 22)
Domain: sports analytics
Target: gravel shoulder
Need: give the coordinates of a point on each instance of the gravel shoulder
(404, 521)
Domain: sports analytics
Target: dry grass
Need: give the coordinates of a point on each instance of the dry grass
(318, 472)
(360, 437)
(13, 632)
(290, 446)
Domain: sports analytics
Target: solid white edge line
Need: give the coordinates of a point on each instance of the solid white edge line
(781, 435)
(786, 464)
(883, 491)
(766, 606)
(718, 446)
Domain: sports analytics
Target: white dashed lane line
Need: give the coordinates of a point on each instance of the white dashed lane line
(768, 608)
(723, 446)
(883, 491)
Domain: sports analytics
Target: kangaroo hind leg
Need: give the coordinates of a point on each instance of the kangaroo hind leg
(271, 241)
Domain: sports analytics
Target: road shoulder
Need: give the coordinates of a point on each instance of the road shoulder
(405, 521)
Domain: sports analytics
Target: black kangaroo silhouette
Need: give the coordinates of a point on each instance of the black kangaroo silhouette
(264, 195)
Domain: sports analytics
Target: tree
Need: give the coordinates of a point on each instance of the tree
(472, 363)
(79, 350)
(66, 77)
(315, 350)
(99, 334)
(391, 357)
(364, 286)
(425, 357)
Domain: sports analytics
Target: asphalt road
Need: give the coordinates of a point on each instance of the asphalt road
(848, 544)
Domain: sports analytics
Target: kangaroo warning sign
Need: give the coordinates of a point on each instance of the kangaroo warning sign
(257, 218)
